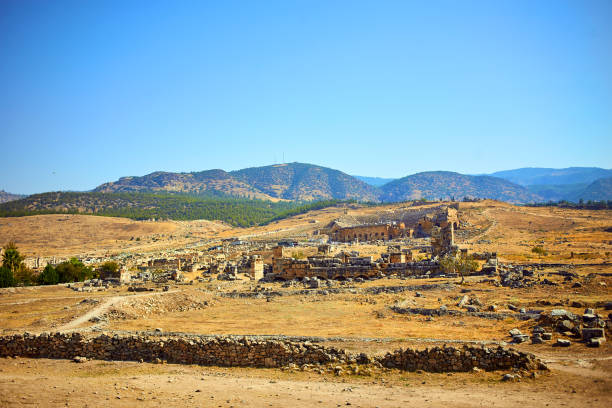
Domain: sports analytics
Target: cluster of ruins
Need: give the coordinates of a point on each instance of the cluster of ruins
(412, 244)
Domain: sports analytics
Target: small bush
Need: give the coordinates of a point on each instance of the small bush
(7, 279)
(48, 276)
(539, 250)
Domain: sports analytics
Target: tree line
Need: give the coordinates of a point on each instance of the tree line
(580, 205)
(240, 212)
(14, 272)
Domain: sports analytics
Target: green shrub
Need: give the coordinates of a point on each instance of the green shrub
(7, 279)
(48, 276)
(539, 250)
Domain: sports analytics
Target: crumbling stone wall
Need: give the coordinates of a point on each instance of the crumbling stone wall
(452, 359)
(370, 232)
(246, 352)
(216, 351)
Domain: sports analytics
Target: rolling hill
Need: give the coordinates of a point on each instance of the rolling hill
(208, 183)
(299, 181)
(291, 181)
(446, 184)
(142, 206)
(599, 190)
(258, 190)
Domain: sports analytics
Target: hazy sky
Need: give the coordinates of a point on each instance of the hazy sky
(94, 90)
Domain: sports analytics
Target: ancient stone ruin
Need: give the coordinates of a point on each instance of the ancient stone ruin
(242, 351)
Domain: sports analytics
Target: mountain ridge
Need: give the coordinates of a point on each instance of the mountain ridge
(287, 181)
(308, 182)
(526, 176)
(447, 184)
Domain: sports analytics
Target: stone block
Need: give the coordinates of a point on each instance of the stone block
(565, 326)
(563, 343)
(589, 333)
(595, 341)
(515, 332)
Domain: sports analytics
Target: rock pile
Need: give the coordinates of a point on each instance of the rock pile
(590, 327)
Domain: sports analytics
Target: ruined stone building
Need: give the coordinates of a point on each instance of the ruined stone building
(165, 264)
(407, 224)
(443, 240)
(368, 232)
(121, 275)
(426, 225)
(345, 265)
(253, 267)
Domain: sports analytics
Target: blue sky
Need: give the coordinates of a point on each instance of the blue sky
(95, 90)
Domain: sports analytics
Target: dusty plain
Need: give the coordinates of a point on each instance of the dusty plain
(356, 318)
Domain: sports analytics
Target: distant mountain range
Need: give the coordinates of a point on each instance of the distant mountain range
(446, 185)
(305, 182)
(571, 184)
(528, 176)
(292, 181)
(308, 182)
(375, 181)
(544, 184)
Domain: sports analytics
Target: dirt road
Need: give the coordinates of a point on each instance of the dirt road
(103, 307)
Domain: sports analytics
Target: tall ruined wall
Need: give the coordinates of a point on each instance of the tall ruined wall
(409, 216)
(370, 232)
(245, 352)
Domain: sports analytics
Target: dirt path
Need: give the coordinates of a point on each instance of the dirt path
(493, 221)
(103, 307)
(584, 367)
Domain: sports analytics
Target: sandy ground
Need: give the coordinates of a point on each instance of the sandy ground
(97, 383)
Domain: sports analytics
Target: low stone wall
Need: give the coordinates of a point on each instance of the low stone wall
(219, 351)
(374, 290)
(452, 359)
(450, 312)
(244, 352)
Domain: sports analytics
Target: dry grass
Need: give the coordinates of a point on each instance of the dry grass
(513, 232)
(64, 235)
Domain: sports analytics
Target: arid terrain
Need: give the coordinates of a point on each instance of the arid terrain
(573, 273)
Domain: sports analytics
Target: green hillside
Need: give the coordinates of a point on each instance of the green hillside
(446, 184)
(599, 190)
(292, 181)
(300, 181)
(141, 206)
